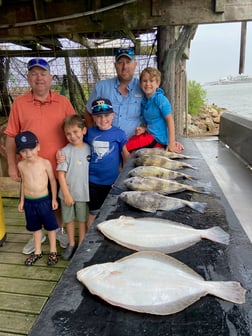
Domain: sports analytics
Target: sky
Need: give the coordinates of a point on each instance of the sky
(215, 52)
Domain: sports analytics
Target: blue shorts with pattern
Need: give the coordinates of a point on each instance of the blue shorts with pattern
(39, 213)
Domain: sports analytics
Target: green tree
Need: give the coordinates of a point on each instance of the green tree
(196, 97)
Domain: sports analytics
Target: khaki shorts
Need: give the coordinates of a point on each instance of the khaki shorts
(78, 212)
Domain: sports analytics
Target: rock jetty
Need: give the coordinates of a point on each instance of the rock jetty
(206, 123)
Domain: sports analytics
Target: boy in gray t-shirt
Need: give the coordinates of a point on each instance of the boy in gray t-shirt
(73, 179)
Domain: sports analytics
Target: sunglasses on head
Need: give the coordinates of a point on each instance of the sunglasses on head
(102, 107)
(128, 51)
(38, 61)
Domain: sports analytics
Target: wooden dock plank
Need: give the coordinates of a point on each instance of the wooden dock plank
(22, 303)
(16, 323)
(18, 237)
(15, 258)
(29, 286)
(15, 221)
(10, 334)
(37, 272)
(9, 247)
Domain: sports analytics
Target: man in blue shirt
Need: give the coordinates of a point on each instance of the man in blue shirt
(123, 91)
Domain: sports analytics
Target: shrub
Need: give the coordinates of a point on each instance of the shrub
(196, 97)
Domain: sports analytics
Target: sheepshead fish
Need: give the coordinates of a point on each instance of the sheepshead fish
(145, 171)
(161, 161)
(159, 185)
(157, 234)
(152, 201)
(162, 152)
(154, 283)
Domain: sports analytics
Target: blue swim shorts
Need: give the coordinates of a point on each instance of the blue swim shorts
(39, 213)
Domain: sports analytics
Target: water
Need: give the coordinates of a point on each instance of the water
(236, 98)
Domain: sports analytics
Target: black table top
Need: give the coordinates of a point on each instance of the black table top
(73, 310)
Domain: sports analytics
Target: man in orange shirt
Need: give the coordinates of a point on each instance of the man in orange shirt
(40, 111)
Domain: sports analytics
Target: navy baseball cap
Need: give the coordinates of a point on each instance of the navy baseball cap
(26, 140)
(38, 62)
(101, 106)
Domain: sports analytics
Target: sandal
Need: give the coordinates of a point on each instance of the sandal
(52, 259)
(32, 259)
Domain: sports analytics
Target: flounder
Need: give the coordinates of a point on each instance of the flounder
(145, 171)
(157, 234)
(152, 201)
(154, 283)
(159, 185)
(161, 161)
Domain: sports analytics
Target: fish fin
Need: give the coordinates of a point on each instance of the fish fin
(191, 157)
(201, 190)
(227, 290)
(189, 177)
(217, 235)
(192, 167)
(198, 206)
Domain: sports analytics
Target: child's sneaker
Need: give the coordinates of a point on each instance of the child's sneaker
(69, 252)
(29, 247)
(61, 236)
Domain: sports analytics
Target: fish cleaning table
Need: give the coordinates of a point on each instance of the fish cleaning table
(73, 310)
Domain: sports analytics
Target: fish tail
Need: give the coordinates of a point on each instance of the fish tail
(216, 234)
(187, 177)
(227, 290)
(201, 190)
(189, 166)
(198, 206)
(190, 178)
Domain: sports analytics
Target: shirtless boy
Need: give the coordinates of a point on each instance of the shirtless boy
(35, 200)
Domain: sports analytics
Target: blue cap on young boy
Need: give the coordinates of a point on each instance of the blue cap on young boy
(25, 140)
(102, 106)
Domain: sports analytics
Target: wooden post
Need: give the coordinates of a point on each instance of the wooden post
(243, 47)
(166, 62)
(172, 42)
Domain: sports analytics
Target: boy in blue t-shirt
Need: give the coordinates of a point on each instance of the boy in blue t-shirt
(108, 150)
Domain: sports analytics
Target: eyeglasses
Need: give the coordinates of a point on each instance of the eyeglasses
(101, 107)
(128, 51)
(38, 61)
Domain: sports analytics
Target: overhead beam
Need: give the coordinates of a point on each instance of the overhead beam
(90, 52)
(62, 17)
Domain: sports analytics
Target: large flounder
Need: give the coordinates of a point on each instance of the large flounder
(152, 201)
(160, 185)
(154, 283)
(157, 234)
